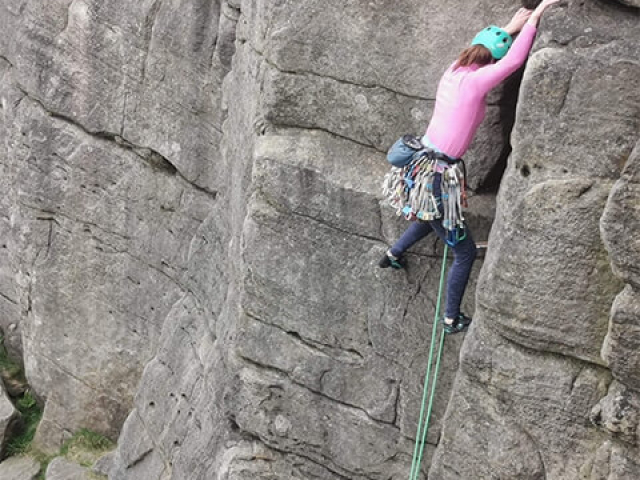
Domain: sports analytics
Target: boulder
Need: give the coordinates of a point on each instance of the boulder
(104, 464)
(62, 469)
(19, 468)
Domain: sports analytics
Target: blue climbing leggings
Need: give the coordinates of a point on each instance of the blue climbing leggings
(464, 254)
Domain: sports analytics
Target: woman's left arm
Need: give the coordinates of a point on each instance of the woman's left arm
(486, 78)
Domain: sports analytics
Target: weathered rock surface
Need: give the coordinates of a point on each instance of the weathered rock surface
(115, 160)
(631, 3)
(312, 346)
(101, 222)
(62, 469)
(9, 305)
(104, 464)
(193, 189)
(19, 468)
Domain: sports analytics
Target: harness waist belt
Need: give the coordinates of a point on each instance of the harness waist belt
(432, 154)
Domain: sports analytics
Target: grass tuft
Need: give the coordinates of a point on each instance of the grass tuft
(31, 415)
(85, 447)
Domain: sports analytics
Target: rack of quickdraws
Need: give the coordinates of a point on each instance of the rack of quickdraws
(410, 190)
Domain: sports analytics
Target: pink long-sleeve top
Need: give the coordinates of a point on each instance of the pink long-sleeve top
(460, 99)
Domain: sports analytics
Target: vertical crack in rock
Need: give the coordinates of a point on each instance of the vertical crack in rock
(46, 248)
(148, 26)
(67, 17)
(508, 104)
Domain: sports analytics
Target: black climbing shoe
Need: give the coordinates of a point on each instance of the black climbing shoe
(390, 261)
(460, 324)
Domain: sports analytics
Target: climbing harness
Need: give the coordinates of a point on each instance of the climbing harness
(429, 393)
(410, 191)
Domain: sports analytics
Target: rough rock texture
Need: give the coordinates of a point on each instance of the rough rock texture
(101, 222)
(193, 189)
(631, 3)
(104, 464)
(62, 469)
(8, 417)
(19, 468)
(620, 349)
(129, 211)
(9, 307)
(534, 398)
(298, 358)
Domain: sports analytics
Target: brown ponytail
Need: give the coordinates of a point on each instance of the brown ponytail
(477, 54)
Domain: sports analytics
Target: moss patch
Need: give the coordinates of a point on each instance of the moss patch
(31, 415)
(85, 447)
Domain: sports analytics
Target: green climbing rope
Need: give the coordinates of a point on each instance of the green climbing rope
(423, 422)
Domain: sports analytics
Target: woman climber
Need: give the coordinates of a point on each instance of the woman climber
(459, 109)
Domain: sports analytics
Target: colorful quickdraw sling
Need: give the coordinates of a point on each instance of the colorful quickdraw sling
(410, 191)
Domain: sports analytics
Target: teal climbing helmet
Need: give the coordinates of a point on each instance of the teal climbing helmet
(495, 39)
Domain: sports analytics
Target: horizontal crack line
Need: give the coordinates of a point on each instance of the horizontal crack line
(337, 135)
(338, 80)
(279, 209)
(313, 344)
(348, 406)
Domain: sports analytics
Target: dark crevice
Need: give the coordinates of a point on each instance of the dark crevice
(531, 4)
(139, 459)
(507, 104)
(618, 5)
(584, 190)
(2, 57)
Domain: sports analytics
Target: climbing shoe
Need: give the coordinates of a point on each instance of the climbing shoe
(460, 324)
(389, 260)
